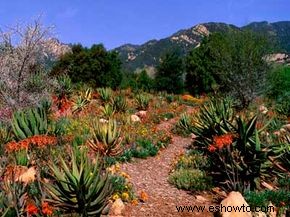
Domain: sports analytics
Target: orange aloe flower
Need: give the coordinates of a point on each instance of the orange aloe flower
(46, 208)
(31, 209)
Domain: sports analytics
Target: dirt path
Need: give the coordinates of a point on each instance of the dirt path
(151, 176)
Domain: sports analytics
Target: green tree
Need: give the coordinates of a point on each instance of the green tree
(234, 61)
(144, 82)
(170, 71)
(94, 65)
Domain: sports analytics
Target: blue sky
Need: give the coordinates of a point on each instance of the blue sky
(116, 22)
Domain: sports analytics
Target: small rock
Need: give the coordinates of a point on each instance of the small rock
(201, 198)
(263, 109)
(102, 120)
(234, 199)
(117, 208)
(135, 118)
(193, 136)
(141, 114)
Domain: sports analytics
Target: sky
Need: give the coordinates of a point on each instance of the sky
(117, 22)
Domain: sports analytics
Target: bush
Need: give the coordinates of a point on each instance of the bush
(233, 61)
(190, 179)
(95, 66)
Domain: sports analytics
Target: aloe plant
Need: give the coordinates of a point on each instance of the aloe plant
(106, 138)
(212, 119)
(64, 86)
(142, 101)
(29, 123)
(119, 103)
(241, 164)
(105, 94)
(81, 188)
(108, 111)
(5, 135)
(82, 101)
(184, 123)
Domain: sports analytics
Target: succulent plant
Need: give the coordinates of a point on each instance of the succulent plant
(81, 188)
(212, 119)
(29, 123)
(119, 103)
(108, 111)
(64, 86)
(82, 101)
(142, 101)
(105, 94)
(184, 123)
(106, 138)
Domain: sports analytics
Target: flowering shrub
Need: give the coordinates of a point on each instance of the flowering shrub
(38, 140)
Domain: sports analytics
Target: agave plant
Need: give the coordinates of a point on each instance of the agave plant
(5, 135)
(106, 138)
(29, 123)
(240, 163)
(142, 101)
(108, 111)
(119, 103)
(82, 101)
(184, 123)
(81, 188)
(64, 86)
(105, 94)
(212, 119)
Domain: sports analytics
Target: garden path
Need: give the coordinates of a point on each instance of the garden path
(150, 175)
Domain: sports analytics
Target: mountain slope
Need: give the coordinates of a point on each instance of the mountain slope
(148, 54)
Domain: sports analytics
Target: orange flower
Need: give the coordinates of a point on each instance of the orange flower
(46, 208)
(143, 196)
(39, 140)
(211, 148)
(223, 140)
(31, 209)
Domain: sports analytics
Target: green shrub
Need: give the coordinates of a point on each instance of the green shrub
(194, 160)
(144, 149)
(279, 198)
(190, 179)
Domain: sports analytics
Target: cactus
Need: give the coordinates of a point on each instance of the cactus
(80, 188)
(105, 94)
(106, 138)
(29, 123)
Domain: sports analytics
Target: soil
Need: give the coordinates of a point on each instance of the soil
(151, 175)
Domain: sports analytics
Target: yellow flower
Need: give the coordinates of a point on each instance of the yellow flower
(134, 202)
(115, 197)
(125, 196)
(117, 167)
(125, 175)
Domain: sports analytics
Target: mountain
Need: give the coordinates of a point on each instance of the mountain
(147, 55)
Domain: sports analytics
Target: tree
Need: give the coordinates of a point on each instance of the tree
(94, 65)
(169, 76)
(234, 61)
(23, 49)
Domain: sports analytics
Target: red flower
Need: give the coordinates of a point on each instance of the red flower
(211, 148)
(31, 209)
(46, 208)
(223, 140)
